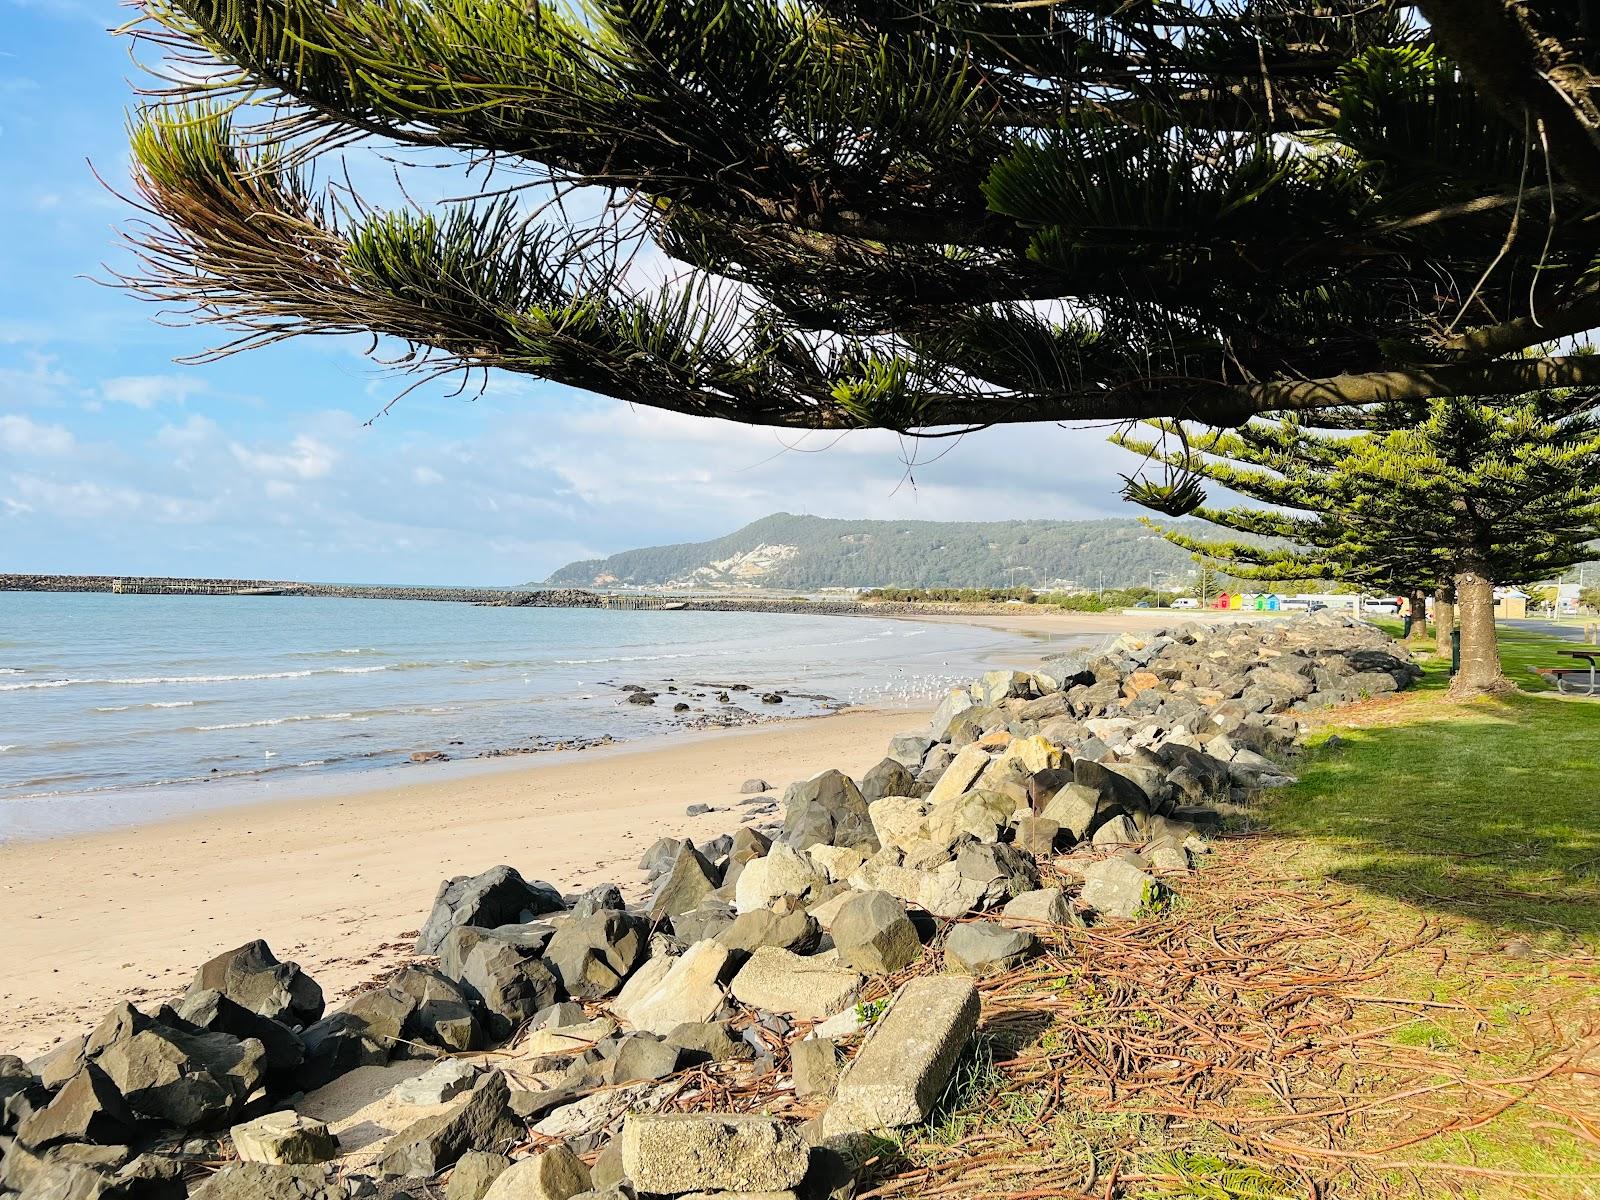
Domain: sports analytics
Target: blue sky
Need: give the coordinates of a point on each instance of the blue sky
(113, 459)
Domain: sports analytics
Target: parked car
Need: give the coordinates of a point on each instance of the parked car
(1186, 602)
(1386, 605)
(1316, 606)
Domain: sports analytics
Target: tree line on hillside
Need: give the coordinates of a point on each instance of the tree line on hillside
(916, 554)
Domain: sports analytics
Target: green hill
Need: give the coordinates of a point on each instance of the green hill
(799, 553)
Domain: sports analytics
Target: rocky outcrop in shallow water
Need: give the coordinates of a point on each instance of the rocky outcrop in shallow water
(1087, 790)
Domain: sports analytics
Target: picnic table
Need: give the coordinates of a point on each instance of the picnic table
(1592, 687)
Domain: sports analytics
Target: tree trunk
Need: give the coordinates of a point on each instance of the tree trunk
(1417, 611)
(1480, 652)
(1444, 616)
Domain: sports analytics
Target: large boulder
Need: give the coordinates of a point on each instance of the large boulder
(555, 1173)
(689, 990)
(909, 749)
(251, 977)
(213, 1012)
(827, 808)
(479, 1121)
(689, 881)
(499, 896)
(335, 1045)
(888, 778)
(592, 956)
(459, 942)
(88, 1109)
(784, 871)
(510, 983)
(675, 1153)
(874, 935)
(191, 1080)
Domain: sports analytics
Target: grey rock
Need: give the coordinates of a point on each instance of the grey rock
(263, 1181)
(706, 921)
(602, 895)
(499, 896)
(643, 1056)
(89, 1108)
(874, 935)
(1115, 887)
(592, 956)
(460, 942)
(689, 881)
(1118, 831)
(909, 749)
(828, 808)
(1047, 906)
(983, 947)
(210, 1010)
(334, 1045)
(552, 1174)
(443, 1081)
(1002, 867)
(889, 778)
(1037, 835)
(60, 1063)
(474, 1172)
(675, 1153)
(705, 1041)
(793, 930)
(754, 787)
(660, 856)
(191, 1080)
(510, 983)
(480, 1121)
(252, 977)
(814, 1064)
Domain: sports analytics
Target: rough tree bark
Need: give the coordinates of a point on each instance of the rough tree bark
(1444, 615)
(1417, 610)
(1480, 651)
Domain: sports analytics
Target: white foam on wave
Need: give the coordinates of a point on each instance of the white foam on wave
(162, 680)
(291, 718)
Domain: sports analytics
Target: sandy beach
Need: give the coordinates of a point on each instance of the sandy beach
(337, 880)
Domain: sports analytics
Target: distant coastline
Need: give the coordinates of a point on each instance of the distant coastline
(510, 597)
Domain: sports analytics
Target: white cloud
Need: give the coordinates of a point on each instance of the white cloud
(306, 458)
(146, 391)
(95, 501)
(427, 476)
(20, 436)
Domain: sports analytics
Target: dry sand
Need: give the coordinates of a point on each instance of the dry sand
(339, 882)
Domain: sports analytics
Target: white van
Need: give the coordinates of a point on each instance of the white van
(1186, 602)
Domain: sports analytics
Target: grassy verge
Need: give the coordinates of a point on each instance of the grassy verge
(1387, 986)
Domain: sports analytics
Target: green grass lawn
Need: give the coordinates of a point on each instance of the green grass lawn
(1488, 810)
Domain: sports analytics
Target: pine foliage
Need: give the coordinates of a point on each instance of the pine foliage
(921, 217)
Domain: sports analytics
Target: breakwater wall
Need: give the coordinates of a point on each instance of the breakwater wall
(512, 598)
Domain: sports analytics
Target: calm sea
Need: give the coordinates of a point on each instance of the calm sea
(114, 708)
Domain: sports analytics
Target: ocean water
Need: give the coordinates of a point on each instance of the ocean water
(114, 708)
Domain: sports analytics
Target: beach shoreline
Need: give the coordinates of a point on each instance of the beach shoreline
(338, 876)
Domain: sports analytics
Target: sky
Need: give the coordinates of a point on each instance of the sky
(270, 464)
